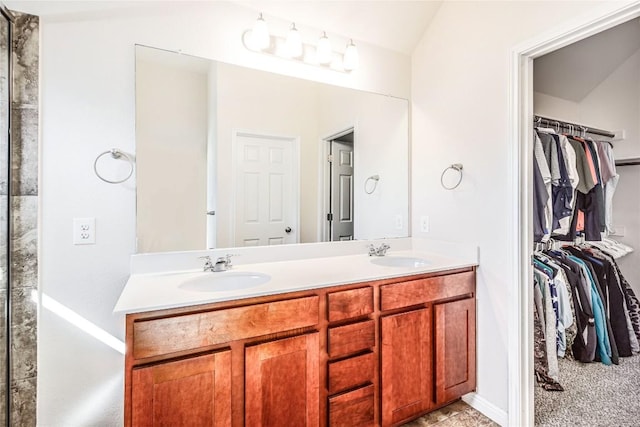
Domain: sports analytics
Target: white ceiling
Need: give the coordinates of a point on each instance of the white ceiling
(396, 25)
(587, 63)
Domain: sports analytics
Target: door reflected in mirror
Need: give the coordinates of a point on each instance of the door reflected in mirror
(229, 156)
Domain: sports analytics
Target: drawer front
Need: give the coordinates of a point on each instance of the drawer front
(348, 339)
(349, 304)
(351, 372)
(191, 331)
(353, 409)
(414, 292)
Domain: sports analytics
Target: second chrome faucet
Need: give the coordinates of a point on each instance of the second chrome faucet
(221, 264)
(379, 251)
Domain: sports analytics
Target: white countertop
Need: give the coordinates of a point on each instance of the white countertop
(149, 290)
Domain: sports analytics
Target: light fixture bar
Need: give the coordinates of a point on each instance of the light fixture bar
(258, 39)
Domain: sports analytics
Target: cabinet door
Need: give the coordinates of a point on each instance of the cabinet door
(282, 382)
(407, 376)
(189, 392)
(455, 349)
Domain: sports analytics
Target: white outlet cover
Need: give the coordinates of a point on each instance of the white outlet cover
(84, 231)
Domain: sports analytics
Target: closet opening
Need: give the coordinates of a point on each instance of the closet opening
(572, 105)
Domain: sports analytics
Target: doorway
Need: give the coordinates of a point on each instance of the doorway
(521, 381)
(339, 185)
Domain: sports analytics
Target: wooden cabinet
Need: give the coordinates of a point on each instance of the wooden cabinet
(455, 338)
(407, 378)
(364, 354)
(282, 382)
(189, 392)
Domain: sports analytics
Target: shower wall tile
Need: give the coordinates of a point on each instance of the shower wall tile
(25, 154)
(26, 58)
(3, 247)
(3, 336)
(23, 396)
(25, 242)
(24, 110)
(23, 334)
(3, 396)
(23, 343)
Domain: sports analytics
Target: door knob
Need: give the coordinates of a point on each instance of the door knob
(288, 229)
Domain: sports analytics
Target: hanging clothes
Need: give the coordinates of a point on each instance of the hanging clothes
(581, 288)
(574, 184)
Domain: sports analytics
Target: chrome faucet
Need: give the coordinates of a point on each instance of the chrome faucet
(221, 264)
(379, 251)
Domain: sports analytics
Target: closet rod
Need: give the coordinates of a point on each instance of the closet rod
(546, 121)
(628, 162)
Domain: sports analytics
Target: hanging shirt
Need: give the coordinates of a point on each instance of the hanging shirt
(570, 161)
(562, 189)
(586, 182)
(603, 344)
(547, 214)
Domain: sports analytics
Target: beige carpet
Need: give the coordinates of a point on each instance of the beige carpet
(595, 395)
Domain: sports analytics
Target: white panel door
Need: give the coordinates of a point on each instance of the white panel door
(266, 205)
(341, 191)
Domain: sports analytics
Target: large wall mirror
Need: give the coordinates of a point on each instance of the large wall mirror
(229, 156)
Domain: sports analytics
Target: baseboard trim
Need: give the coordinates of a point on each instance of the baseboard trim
(486, 408)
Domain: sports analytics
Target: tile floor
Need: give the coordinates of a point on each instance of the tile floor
(458, 414)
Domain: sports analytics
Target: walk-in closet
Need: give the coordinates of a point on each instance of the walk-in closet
(586, 215)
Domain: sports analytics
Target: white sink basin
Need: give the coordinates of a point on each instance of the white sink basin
(400, 261)
(225, 281)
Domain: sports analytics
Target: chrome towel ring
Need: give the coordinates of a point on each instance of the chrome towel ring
(115, 154)
(456, 167)
(375, 179)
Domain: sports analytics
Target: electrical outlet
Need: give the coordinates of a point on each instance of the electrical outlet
(399, 222)
(424, 224)
(84, 231)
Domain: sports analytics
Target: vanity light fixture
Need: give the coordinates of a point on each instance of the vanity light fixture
(324, 51)
(293, 44)
(350, 59)
(260, 38)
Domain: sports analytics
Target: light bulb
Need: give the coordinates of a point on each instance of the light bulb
(323, 51)
(293, 45)
(350, 59)
(260, 38)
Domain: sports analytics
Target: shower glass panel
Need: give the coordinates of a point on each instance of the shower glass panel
(5, 215)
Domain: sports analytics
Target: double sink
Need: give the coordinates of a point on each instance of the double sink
(239, 280)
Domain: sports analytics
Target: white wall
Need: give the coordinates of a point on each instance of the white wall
(460, 114)
(557, 108)
(88, 106)
(171, 157)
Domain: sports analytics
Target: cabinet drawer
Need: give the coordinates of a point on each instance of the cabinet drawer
(348, 304)
(348, 339)
(420, 291)
(351, 372)
(353, 409)
(166, 335)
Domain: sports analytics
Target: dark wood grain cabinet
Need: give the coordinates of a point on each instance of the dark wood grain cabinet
(455, 343)
(189, 392)
(367, 354)
(407, 361)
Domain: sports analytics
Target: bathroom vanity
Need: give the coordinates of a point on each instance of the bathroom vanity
(367, 352)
